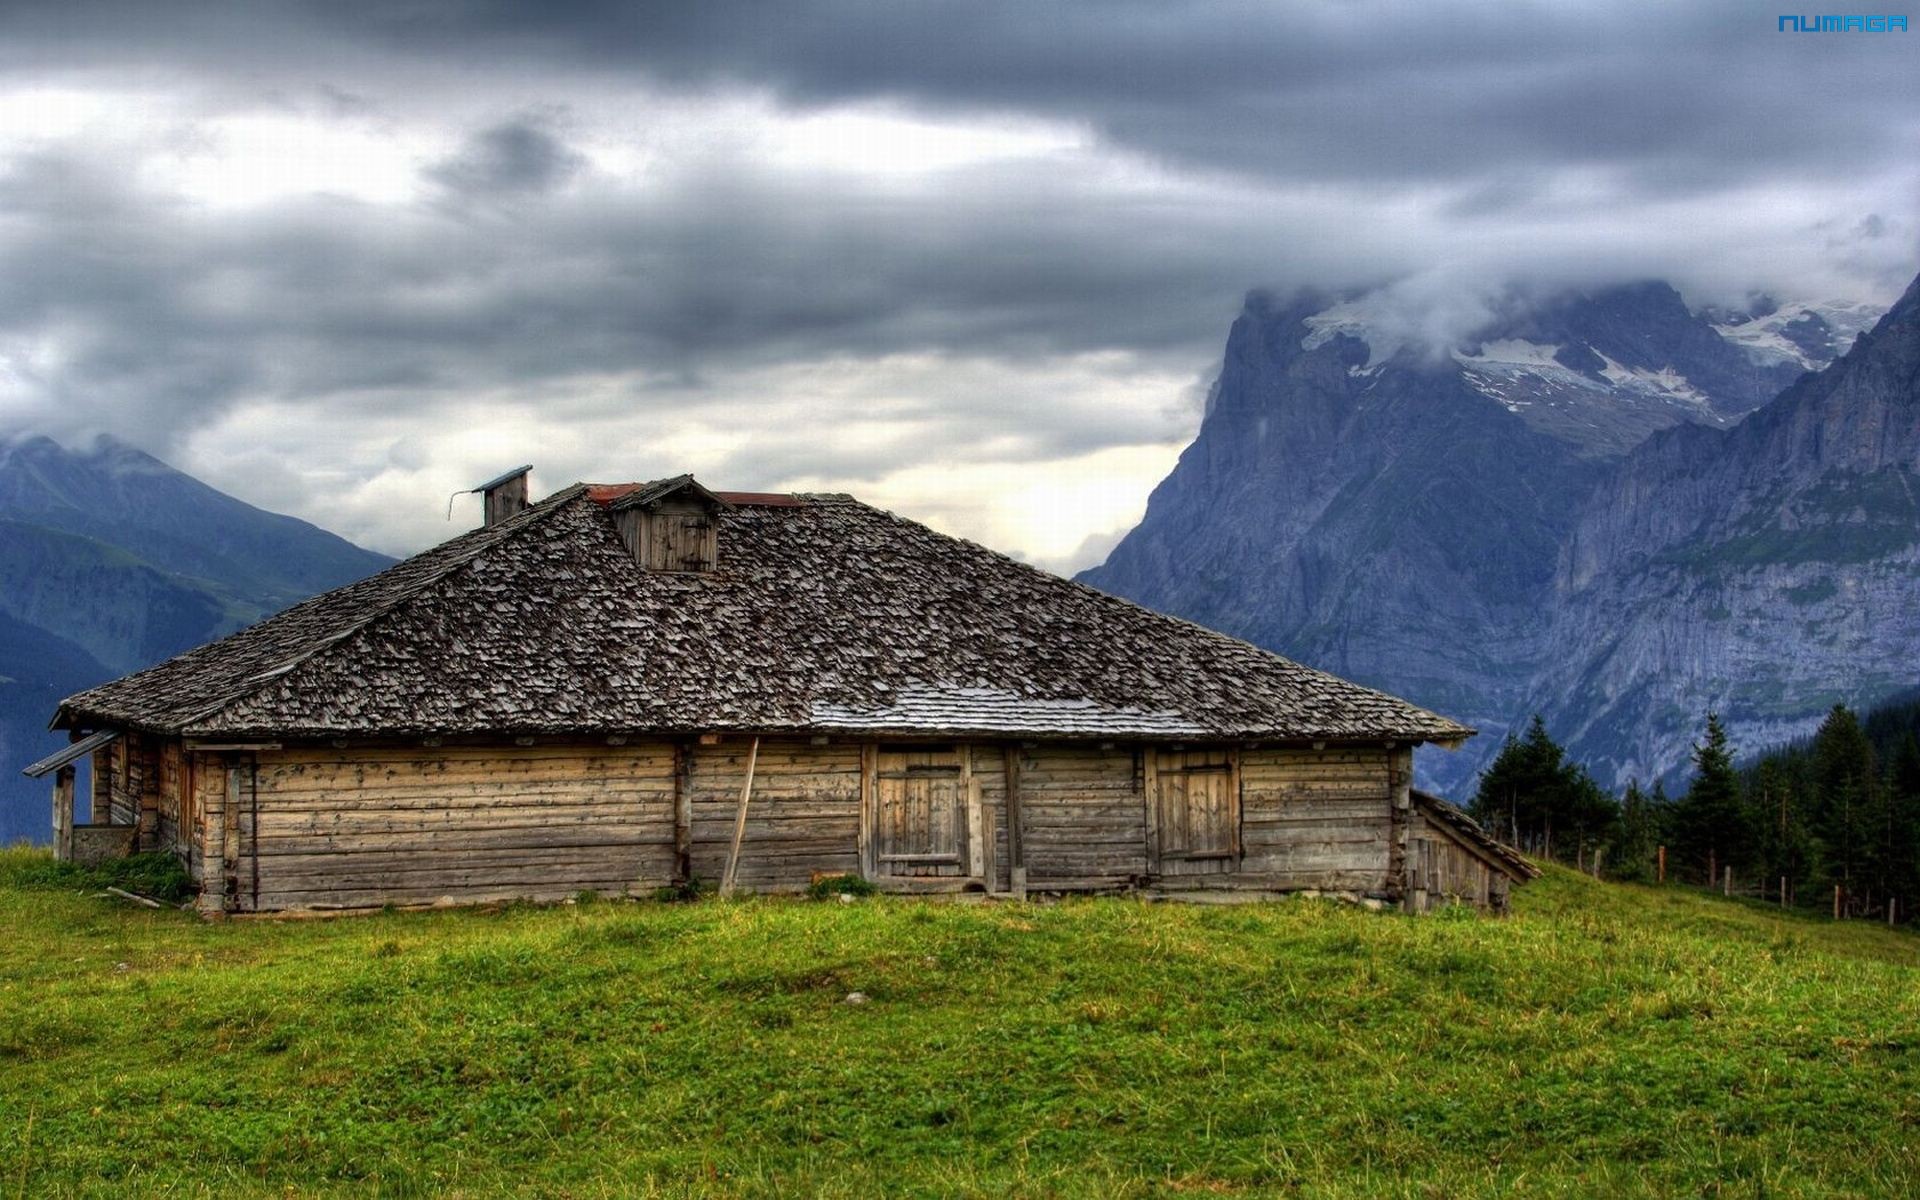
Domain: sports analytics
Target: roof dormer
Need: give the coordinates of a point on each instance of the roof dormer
(671, 525)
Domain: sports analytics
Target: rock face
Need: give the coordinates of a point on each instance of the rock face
(111, 560)
(1765, 571)
(1447, 522)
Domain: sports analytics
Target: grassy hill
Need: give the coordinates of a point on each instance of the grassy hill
(1604, 1040)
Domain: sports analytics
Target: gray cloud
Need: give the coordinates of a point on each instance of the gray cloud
(516, 158)
(1217, 146)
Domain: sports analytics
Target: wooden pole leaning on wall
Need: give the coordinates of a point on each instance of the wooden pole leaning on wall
(740, 822)
(63, 813)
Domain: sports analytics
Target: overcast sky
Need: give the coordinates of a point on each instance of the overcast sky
(971, 260)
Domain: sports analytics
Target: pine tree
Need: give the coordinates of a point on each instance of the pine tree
(1639, 835)
(1851, 831)
(1531, 795)
(1710, 828)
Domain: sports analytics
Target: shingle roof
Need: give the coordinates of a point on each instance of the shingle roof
(824, 615)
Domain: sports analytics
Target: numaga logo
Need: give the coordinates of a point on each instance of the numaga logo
(1842, 24)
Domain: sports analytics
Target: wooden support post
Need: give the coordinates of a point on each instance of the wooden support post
(1400, 818)
(1836, 902)
(869, 768)
(740, 821)
(213, 836)
(1726, 886)
(1016, 826)
(1598, 852)
(1663, 865)
(1892, 903)
(978, 864)
(1783, 891)
(682, 815)
(63, 813)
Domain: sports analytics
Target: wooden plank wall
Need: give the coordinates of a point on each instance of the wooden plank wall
(363, 828)
(1317, 819)
(803, 816)
(1447, 872)
(359, 828)
(172, 769)
(1085, 814)
(990, 777)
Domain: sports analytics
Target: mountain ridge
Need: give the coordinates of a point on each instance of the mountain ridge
(1402, 512)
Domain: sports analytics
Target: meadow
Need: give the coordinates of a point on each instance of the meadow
(1604, 1040)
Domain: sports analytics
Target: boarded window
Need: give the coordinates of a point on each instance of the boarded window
(1197, 809)
(920, 813)
(681, 542)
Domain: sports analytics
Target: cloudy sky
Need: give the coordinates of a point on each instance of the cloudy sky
(972, 260)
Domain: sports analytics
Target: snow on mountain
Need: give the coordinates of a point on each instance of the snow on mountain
(1806, 335)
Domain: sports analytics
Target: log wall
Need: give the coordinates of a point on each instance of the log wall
(1084, 814)
(322, 828)
(803, 815)
(363, 828)
(1317, 819)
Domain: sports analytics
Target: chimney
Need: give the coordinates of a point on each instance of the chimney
(504, 496)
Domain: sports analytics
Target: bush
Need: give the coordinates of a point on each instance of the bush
(840, 885)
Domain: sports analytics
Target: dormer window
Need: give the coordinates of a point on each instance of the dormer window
(672, 525)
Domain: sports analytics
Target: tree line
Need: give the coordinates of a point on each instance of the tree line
(1840, 809)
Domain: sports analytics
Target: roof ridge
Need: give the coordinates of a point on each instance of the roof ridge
(509, 529)
(1168, 618)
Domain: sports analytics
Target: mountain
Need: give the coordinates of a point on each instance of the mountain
(1396, 507)
(111, 560)
(1767, 571)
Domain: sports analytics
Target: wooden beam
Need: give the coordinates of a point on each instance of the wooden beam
(1016, 827)
(63, 813)
(869, 768)
(740, 821)
(682, 814)
(1150, 793)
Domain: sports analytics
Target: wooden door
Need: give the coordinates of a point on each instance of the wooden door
(920, 814)
(1197, 812)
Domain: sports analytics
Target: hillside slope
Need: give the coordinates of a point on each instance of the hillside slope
(1605, 1040)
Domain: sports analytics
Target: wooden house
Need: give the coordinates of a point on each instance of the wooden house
(625, 687)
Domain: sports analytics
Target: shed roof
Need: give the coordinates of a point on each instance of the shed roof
(1470, 831)
(824, 615)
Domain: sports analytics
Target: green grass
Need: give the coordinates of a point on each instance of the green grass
(1605, 1040)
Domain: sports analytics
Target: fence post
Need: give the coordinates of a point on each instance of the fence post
(1726, 884)
(1663, 864)
(1836, 902)
(1783, 891)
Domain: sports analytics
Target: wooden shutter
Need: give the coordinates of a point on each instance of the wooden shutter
(1197, 812)
(920, 814)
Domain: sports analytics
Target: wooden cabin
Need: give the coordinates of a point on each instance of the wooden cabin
(627, 687)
